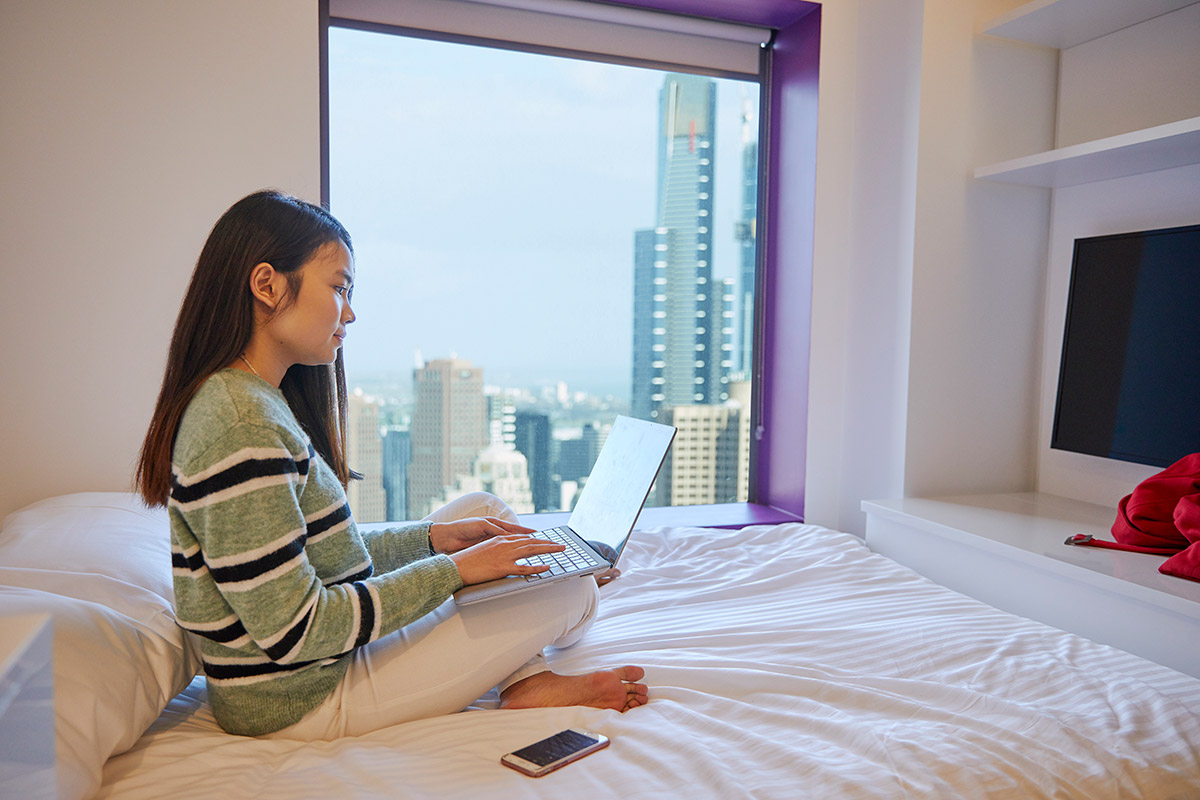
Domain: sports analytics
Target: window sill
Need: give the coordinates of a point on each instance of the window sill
(721, 515)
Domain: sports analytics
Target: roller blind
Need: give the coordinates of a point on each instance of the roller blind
(587, 29)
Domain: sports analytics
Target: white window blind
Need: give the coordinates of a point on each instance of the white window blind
(586, 28)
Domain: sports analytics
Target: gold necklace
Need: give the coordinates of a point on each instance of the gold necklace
(248, 364)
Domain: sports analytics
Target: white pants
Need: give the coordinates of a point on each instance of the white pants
(452, 656)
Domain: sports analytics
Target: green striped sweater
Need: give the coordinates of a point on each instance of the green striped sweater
(269, 568)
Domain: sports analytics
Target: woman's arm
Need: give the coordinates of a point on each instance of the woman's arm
(392, 548)
(243, 506)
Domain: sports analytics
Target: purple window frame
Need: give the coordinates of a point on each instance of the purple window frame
(787, 201)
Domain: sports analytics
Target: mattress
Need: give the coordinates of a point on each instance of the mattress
(783, 661)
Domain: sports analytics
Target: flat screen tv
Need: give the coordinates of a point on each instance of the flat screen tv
(1129, 378)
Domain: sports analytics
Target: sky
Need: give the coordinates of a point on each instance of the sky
(492, 197)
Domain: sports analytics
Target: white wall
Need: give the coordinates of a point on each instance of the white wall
(127, 128)
(1142, 76)
(928, 285)
(866, 182)
(979, 262)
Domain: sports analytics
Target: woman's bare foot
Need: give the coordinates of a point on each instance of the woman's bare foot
(610, 688)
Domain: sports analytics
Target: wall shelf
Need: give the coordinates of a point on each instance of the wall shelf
(1175, 144)
(1066, 23)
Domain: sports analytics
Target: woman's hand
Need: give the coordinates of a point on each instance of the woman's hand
(450, 537)
(496, 557)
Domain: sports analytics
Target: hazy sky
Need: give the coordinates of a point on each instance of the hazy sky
(493, 196)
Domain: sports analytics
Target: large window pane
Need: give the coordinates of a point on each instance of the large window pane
(542, 243)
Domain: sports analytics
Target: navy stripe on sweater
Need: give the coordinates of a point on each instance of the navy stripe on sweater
(366, 618)
(322, 524)
(362, 574)
(229, 633)
(250, 670)
(194, 562)
(284, 646)
(241, 472)
(249, 570)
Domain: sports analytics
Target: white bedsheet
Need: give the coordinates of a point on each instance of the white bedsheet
(783, 662)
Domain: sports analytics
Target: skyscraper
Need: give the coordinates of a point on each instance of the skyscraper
(745, 231)
(532, 435)
(577, 456)
(703, 463)
(364, 452)
(501, 419)
(448, 426)
(677, 334)
(397, 453)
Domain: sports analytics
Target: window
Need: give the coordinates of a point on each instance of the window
(559, 241)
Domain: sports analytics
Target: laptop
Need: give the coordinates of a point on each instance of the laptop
(608, 507)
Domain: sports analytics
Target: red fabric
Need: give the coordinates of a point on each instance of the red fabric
(1164, 512)
(1187, 521)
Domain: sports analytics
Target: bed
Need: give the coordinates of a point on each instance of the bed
(784, 661)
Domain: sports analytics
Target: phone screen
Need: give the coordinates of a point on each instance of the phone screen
(551, 749)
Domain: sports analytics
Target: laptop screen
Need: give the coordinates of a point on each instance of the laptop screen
(614, 493)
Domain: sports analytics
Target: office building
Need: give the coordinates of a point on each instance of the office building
(397, 453)
(364, 453)
(745, 231)
(577, 455)
(702, 466)
(447, 433)
(531, 433)
(677, 328)
(501, 418)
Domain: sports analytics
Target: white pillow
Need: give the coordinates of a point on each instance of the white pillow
(100, 565)
(101, 533)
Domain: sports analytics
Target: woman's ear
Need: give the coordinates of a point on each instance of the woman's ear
(267, 285)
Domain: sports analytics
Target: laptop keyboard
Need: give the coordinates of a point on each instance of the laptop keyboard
(572, 559)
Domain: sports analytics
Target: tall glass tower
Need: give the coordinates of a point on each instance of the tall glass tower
(677, 309)
(745, 233)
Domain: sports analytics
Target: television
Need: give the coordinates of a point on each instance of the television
(1129, 377)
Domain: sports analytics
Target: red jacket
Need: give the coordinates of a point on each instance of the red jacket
(1163, 515)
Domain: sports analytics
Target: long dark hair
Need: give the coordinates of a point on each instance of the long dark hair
(216, 321)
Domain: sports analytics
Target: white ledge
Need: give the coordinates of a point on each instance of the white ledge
(1066, 23)
(1175, 144)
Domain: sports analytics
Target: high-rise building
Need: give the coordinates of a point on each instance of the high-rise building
(745, 231)
(447, 433)
(364, 453)
(677, 333)
(726, 289)
(397, 453)
(532, 438)
(577, 455)
(501, 418)
(702, 465)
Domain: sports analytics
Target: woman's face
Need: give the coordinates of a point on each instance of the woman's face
(310, 329)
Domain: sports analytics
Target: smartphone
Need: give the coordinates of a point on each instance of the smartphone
(554, 751)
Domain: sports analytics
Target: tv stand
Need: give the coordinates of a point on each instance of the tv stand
(1007, 550)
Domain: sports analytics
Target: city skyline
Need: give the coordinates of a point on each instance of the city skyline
(641, 284)
(551, 160)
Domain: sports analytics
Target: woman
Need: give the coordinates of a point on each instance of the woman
(308, 628)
